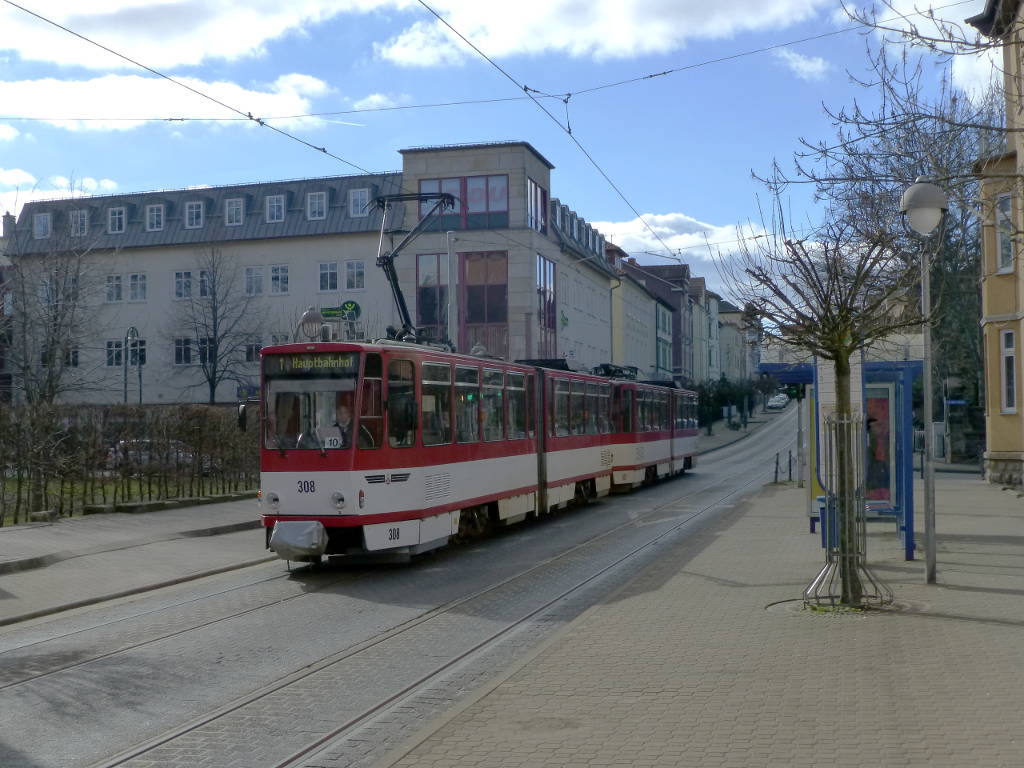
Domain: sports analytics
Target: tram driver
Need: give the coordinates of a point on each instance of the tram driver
(343, 420)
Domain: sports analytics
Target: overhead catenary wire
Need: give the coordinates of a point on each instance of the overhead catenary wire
(248, 115)
(554, 119)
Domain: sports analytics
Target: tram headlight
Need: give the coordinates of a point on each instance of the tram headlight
(338, 499)
(273, 501)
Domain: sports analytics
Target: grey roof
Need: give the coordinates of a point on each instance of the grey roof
(214, 230)
(997, 18)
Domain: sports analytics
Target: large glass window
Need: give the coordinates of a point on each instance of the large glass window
(546, 312)
(480, 201)
(1004, 232)
(493, 405)
(437, 404)
(485, 311)
(1008, 352)
(432, 294)
(536, 206)
(467, 404)
(401, 404)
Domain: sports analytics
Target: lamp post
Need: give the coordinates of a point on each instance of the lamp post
(130, 335)
(310, 323)
(924, 205)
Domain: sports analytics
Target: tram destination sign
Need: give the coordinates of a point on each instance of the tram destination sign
(328, 364)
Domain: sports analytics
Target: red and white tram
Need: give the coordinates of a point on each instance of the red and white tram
(397, 447)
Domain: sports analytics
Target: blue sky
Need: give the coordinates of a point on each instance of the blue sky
(681, 147)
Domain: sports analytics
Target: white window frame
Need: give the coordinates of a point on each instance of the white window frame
(115, 353)
(319, 207)
(253, 280)
(79, 222)
(182, 284)
(42, 226)
(137, 286)
(349, 270)
(1007, 362)
(359, 202)
(272, 201)
(114, 289)
(120, 215)
(1004, 233)
(155, 218)
(279, 280)
(330, 271)
(234, 212)
(184, 345)
(194, 214)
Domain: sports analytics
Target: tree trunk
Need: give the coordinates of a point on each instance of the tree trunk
(846, 485)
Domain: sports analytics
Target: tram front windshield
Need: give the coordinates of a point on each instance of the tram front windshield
(310, 400)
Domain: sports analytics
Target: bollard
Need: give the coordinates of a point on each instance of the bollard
(776, 468)
(789, 462)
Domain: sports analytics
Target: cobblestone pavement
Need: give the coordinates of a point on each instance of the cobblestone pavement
(705, 659)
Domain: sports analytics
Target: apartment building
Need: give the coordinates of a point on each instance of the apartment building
(528, 277)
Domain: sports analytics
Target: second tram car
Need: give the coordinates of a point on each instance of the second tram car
(370, 447)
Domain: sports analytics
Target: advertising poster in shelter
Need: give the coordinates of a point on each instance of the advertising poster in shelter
(881, 443)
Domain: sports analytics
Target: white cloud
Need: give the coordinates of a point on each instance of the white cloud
(804, 67)
(602, 29)
(15, 177)
(692, 241)
(378, 101)
(18, 187)
(8, 132)
(173, 33)
(122, 102)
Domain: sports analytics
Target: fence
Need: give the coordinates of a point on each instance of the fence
(65, 461)
(845, 578)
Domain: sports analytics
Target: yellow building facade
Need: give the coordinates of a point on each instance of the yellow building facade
(1002, 287)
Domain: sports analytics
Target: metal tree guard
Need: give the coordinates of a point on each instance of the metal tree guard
(845, 579)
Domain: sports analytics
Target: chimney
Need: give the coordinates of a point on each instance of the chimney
(8, 230)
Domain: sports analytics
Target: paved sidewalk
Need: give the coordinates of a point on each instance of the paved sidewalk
(81, 560)
(707, 660)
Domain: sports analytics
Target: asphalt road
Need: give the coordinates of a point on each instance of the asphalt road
(262, 667)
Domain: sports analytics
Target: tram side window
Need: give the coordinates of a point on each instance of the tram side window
(515, 392)
(694, 418)
(371, 416)
(401, 403)
(560, 401)
(577, 417)
(592, 409)
(679, 403)
(627, 410)
(604, 408)
(493, 406)
(437, 404)
(530, 406)
(467, 404)
(663, 410)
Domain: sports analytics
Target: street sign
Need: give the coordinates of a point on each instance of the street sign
(349, 310)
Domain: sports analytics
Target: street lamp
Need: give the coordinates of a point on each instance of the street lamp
(310, 323)
(131, 335)
(923, 205)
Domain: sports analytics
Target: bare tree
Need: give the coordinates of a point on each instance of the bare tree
(220, 319)
(876, 154)
(831, 294)
(49, 312)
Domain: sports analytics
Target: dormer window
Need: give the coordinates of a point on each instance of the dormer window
(275, 209)
(316, 206)
(41, 226)
(194, 214)
(154, 218)
(79, 222)
(234, 212)
(116, 220)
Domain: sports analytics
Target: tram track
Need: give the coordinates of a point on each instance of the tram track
(380, 643)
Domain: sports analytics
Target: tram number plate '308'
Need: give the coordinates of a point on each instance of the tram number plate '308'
(386, 535)
(306, 486)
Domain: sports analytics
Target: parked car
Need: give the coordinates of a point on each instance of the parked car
(150, 456)
(778, 402)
